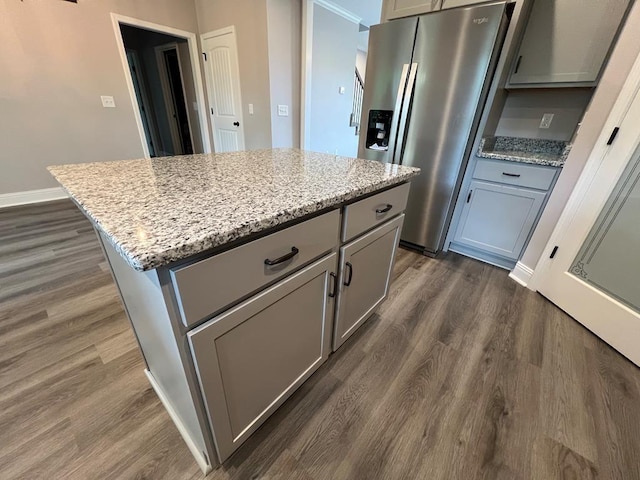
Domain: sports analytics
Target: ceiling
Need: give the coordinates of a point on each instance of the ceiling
(367, 10)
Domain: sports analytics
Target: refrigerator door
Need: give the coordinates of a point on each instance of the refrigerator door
(388, 62)
(453, 53)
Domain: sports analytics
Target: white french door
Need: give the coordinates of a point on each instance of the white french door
(223, 88)
(595, 273)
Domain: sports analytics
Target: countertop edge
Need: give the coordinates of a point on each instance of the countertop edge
(140, 263)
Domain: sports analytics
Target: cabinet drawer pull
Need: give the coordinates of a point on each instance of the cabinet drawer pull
(516, 175)
(350, 276)
(334, 279)
(385, 209)
(294, 251)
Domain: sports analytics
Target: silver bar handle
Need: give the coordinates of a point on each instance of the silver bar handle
(396, 112)
(402, 124)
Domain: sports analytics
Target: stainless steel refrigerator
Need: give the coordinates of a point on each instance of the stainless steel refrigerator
(427, 79)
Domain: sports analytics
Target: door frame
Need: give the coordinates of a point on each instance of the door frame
(167, 93)
(231, 29)
(116, 21)
(606, 178)
(306, 61)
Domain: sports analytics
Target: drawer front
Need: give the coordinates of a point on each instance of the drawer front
(252, 357)
(366, 214)
(205, 287)
(513, 173)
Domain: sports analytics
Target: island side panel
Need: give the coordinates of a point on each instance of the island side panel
(145, 305)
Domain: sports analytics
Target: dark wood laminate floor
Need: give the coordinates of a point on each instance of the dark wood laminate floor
(461, 374)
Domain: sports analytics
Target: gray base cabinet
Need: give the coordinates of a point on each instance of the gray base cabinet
(498, 218)
(250, 359)
(566, 42)
(365, 265)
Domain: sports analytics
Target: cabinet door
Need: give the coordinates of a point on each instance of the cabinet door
(459, 3)
(365, 273)
(567, 41)
(404, 8)
(498, 218)
(250, 359)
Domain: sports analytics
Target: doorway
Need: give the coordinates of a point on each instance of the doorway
(163, 74)
(175, 97)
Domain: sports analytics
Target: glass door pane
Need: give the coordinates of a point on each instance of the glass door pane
(609, 259)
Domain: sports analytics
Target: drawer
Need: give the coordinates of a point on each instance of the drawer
(205, 287)
(514, 173)
(366, 214)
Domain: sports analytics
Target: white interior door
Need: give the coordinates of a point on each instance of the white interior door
(595, 273)
(223, 88)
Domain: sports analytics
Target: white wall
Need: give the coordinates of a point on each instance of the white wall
(56, 60)
(620, 63)
(284, 34)
(361, 63)
(332, 66)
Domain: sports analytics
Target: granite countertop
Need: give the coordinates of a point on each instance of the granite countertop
(551, 153)
(161, 210)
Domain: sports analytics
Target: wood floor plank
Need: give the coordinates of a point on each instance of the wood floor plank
(460, 374)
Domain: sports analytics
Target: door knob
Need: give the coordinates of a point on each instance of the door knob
(237, 124)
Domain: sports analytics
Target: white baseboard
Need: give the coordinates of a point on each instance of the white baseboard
(197, 454)
(521, 274)
(32, 196)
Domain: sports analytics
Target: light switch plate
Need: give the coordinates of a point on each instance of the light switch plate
(547, 118)
(283, 110)
(341, 90)
(108, 101)
(251, 109)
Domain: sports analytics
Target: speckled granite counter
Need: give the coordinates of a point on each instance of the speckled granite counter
(158, 211)
(549, 153)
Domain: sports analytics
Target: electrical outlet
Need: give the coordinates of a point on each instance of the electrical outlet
(283, 110)
(108, 101)
(547, 118)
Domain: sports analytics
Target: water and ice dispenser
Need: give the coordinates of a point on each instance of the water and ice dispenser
(378, 130)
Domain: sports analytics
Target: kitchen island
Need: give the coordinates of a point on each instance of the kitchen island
(241, 272)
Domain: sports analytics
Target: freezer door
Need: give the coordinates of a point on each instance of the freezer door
(453, 53)
(388, 62)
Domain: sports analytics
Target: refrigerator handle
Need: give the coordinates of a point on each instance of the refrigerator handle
(396, 112)
(402, 124)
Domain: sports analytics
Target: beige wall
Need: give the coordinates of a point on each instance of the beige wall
(250, 20)
(56, 60)
(615, 74)
(285, 39)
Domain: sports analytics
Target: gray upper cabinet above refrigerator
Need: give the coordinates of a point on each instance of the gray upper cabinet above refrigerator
(403, 8)
(566, 42)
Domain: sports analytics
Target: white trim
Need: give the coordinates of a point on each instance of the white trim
(521, 274)
(197, 454)
(32, 196)
(305, 74)
(338, 10)
(590, 171)
(219, 32)
(116, 20)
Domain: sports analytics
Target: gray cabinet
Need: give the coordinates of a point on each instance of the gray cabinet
(566, 42)
(365, 266)
(498, 218)
(459, 3)
(404, 8)
(251, 358)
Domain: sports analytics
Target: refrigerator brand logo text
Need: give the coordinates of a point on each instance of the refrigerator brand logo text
(480, 21)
